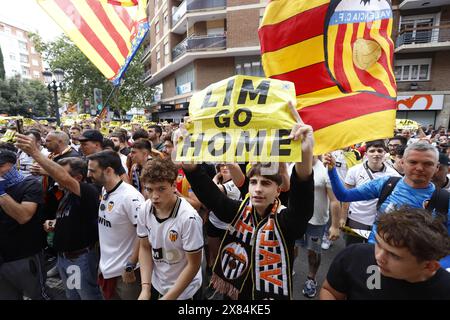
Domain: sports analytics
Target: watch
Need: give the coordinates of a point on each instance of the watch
(129, 267)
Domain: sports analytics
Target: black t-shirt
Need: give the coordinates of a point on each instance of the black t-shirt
(19, 241)
(350, 275)
(76, 219)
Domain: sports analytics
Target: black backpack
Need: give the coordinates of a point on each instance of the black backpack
(439, 199)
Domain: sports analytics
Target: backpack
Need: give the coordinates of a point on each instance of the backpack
(439, 199)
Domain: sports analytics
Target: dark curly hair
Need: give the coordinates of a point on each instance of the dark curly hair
(159, 170)
(425, 236)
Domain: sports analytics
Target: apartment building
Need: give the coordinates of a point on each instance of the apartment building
(194, 43)
(19, 55)
(421, 34)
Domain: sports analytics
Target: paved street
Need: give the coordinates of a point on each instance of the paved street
(301, 268)
(56, 290)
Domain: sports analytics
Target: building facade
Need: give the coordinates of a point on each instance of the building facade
(421, 33)
(19, 55)
(194, 43)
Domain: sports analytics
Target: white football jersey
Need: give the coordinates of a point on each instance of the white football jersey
(170, 240)
(117, 219)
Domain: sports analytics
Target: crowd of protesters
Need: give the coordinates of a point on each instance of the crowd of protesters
(122, 220)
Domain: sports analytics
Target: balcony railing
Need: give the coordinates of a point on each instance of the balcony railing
(145, 54)
(147, 75)
(194, 5)
(423, 35)
(199, 43)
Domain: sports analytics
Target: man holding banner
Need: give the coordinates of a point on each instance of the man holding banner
(260, 216)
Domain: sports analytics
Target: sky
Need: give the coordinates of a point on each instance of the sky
(28, 15)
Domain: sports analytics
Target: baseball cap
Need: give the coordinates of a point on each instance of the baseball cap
(443, 159)
(91, 135)
(7, 156)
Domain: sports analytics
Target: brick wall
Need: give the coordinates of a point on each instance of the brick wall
(168, 86)
(242, 28)
(208, 71)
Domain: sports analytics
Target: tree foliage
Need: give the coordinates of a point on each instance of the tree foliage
(81, 76)
(27, 98)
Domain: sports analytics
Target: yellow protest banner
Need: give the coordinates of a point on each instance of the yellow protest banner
(114, 124)
(239, 119)
(9, 136)
(83, 116)
(406, 124)
(137, 118)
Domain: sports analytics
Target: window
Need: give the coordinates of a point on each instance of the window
(419, 29)
(158, 56)
(33, 50)
(412, 70)
(23, 46)
(24, 58)
(157, 27)
(166, 48)
(34, 62)
(249, 66)
(166, 21)
(184, 79)
(25, 71)
(36, 74)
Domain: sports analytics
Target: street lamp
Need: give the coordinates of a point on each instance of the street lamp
(54, 82)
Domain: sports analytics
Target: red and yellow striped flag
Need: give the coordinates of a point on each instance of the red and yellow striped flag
(339, 55)
(108, 32)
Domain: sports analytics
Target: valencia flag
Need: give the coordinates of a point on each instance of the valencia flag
(339, 55)
(108, 32)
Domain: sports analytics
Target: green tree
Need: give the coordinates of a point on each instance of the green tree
(81, 76)
(2, 66)
(27, 98)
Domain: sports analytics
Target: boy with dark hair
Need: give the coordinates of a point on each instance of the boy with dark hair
(403, 263)
(256, 255)
(154, 134)
(171, 237)
(140, 154)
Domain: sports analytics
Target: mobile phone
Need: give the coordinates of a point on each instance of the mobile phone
(19, 125)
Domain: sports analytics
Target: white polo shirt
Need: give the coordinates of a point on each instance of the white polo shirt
(117, 219)
(365, 212)
(170, 240)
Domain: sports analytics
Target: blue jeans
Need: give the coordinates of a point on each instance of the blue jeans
(80, 285)
(312, 238)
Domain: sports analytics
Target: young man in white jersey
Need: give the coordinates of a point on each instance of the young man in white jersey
(362, 214)
(171, 235)
(117, 219)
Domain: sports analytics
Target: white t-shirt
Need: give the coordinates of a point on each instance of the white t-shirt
(24, 161)
(123, 158)
(170, 239)
(341, 163)
(365, 211)
(117, 219)
(321, 202)
(232, 192)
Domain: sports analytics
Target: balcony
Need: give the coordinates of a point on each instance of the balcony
(146, 53)
(199, 43)
(424, 39)
(421, 4)
(203, 10)
(147, 75)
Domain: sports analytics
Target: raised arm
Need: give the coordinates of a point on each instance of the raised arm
(54, 170)
(209, 194)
